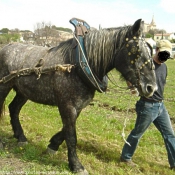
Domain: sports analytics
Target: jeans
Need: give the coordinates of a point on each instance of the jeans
(148, 112)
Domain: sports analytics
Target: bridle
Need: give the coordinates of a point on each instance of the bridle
(134, 55)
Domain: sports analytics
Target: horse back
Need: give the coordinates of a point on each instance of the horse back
(17, 56)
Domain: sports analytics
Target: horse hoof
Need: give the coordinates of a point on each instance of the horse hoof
(50, 151)
(21, 144)
(83, 172)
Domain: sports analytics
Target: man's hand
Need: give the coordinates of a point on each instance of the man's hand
(133, 90)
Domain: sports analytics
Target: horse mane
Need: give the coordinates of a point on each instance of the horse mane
(101, 46)
(64, 46)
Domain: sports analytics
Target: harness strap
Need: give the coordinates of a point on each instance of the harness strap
(83, 68)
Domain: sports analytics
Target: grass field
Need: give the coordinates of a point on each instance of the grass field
(99, 132)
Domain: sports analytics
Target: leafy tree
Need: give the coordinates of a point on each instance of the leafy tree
(172, 41)
(148, 35)
(14, 37)
(3, 39)
(6, 38)
(152, 32)
(4, 30)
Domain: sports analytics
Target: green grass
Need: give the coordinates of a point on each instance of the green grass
(99, 132)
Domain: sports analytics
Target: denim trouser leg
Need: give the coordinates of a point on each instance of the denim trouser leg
(146, 114)
(163, 124)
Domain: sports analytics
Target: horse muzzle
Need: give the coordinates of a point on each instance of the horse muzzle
(147, 90)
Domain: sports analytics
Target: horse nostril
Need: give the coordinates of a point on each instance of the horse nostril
(149, 89)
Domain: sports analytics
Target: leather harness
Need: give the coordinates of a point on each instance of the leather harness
(82, 66)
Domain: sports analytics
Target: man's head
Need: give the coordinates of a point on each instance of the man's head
(164, 48)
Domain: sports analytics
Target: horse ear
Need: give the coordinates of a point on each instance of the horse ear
(137, 28)
(150, 47)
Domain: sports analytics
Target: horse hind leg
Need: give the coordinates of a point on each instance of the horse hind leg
(14, 109)
(3, 94)
(4, 90)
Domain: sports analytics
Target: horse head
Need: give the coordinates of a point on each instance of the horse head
(134, 61)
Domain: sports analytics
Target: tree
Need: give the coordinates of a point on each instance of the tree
(6, 38)
(152, 32)
(4, 30)
(148, 35)
(45, 34)
(172, 41)
(49, 35)
(15, 37)
(64, 29)
(3, 39)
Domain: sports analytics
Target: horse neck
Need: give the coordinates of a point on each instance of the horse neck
(102, 48)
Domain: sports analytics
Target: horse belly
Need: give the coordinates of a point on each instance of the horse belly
(37, 90)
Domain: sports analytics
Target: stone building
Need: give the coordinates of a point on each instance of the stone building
(150, 26)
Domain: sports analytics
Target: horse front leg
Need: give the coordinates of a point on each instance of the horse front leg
(14, 109)
(57, 140)
(69, 115)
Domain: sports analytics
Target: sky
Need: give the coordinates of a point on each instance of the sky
(25, 14)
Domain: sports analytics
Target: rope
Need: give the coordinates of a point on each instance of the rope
(37, 70)
(124, 125)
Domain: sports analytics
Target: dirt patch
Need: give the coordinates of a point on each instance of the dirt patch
(12, 165)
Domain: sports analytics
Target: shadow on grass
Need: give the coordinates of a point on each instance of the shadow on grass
(35, 152)
(102, 152)
(152, 166)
